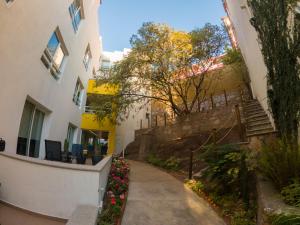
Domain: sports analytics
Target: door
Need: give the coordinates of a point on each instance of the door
(30, 131)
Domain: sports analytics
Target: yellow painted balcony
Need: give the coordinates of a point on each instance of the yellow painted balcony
(101, 89)
(91, 123)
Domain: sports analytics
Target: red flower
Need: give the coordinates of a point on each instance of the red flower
(113, 201)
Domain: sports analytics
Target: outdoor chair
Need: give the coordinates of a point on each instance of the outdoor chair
(77, 152)
(96, 159)
(53, 150)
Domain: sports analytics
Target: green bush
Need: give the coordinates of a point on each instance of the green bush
(243, 218)
(291, 193)
(170, 164)
(284, 219)
(280, 163)
(227, 170)
(154, 160)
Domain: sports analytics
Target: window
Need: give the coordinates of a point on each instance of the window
(106, 64)
(70, 136)
(87, 57)
(55, 53)
(77, 97)
(29, 138)
(9, 1)
(76, 13)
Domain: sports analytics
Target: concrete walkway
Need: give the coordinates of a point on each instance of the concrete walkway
(13, 216)
(157, 198)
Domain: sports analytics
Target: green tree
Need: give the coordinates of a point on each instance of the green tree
(165, 66)
(279, 36)
(235, 60)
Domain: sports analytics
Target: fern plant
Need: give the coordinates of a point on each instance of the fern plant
(284, 219)
(291, 193)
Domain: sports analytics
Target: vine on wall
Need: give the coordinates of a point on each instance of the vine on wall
(279, 35)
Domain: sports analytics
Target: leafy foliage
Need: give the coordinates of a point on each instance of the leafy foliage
(291, 193)
(280, 162)
(165, 66)
(117, 187)
(170, 164)
(227, 170)
(279, 37)
(284, 219)
(233, 58)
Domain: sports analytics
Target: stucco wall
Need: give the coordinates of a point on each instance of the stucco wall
(240, 15)
(26, 27)
(125, 131)
(51, 188)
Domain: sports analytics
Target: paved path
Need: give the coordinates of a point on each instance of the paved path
(13, 216)
(157, 198)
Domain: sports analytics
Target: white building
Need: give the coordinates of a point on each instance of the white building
(247, 38)
(139, 115)
(240, 14)
(48, 52)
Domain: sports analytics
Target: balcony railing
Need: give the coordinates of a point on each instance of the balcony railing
(89, 109)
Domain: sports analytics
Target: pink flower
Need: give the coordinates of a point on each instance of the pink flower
(113, 201)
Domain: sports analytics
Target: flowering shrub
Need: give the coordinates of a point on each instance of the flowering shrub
(117, 188)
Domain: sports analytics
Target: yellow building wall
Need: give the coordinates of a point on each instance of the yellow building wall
(103, 89)
(90, 122)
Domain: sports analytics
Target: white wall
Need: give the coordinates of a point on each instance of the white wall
(26, 27)
(249, 45)
(125, 133)
(51, 188)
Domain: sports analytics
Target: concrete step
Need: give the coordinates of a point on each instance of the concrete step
(258, 119)
(257, 116)
(258, 123)
(251, 103)
(254, 112)
(256, 132)
(260, 133)
(262, 126)
(252, 108)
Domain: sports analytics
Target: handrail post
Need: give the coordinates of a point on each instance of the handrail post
(156, 122)
(225, 95)
(141, 124)
(212, 101)
(165, 118)
(191, 165)
(239, 121)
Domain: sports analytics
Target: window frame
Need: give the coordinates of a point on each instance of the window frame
(71, 134)
(33, 115)
(9, 2)
(73, 11)
(87, 61)
(78, 93)
(48, 59)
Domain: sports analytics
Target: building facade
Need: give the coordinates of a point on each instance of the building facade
(49, 50)
(121, 134)
(239, 15)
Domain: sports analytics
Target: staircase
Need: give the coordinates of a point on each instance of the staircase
(257, 121)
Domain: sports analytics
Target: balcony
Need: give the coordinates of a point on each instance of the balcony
(104, 89)
(48, 188)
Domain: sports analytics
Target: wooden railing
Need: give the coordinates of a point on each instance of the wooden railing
(213, 141)
(224, 99)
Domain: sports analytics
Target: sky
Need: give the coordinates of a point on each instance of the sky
(120, 19)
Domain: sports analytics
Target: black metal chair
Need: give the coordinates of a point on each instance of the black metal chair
(53, 150)
(77, 152)
(96, 159)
